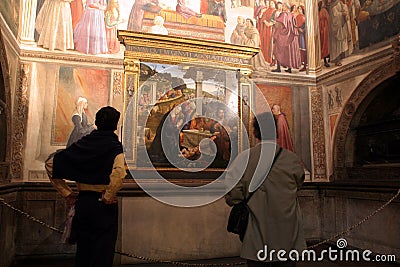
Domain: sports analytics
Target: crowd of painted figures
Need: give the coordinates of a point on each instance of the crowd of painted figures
(277, 27)
(281, 33)
(89, 28)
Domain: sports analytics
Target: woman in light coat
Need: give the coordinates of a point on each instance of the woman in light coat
(275, 221)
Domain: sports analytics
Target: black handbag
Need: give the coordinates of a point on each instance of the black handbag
(239, 216)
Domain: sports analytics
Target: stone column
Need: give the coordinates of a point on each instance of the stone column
(26, 31)
(312, 37)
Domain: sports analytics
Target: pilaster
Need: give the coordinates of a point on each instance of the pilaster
(26, 31)
(20, 117)
(312, 37)
(318, 146)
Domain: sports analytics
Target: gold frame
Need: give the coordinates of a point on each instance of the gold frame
(162, 49)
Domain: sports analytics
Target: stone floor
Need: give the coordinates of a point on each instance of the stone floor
(225, 262)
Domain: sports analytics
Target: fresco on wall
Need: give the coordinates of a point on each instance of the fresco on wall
(382, 17)
(346, 26)
(73, 85)
(277, 27)
(279, 99)
(169, 99)
(10, 12)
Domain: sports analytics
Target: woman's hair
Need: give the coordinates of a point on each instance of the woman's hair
(113, 4)
(80, 105)
(251, 21)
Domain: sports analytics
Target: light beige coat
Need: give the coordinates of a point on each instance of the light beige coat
(275, 218)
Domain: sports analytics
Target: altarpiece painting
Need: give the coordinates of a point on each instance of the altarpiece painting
(186, 101)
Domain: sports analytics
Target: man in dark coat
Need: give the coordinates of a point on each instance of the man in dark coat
(96, 164)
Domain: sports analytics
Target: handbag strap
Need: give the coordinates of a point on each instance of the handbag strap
(273, 162)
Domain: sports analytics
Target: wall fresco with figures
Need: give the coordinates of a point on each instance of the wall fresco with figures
(346, 27)
(277, 27)
(76, 86)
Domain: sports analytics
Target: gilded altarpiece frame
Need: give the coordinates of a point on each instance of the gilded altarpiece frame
(144, 50)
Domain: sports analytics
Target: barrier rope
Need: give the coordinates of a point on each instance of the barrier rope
(131, 255)
(352, 227)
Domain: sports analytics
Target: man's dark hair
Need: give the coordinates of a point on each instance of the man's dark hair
(107, 119)
(268, 132)
(251, 21)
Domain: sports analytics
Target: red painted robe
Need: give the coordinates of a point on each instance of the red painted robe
(282, 132)
(266, 33)
(76, 11)
(324, 28)
(286, 41)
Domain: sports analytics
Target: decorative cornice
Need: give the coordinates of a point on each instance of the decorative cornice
(177, 50)
(358, 66)
(20, 121)
(71, 57)
(284, 79)
(185, 44)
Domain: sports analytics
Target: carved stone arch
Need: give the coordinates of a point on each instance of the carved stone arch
(5, 114)
(344, 136)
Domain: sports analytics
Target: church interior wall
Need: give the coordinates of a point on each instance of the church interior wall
(197, 233)
(49, 82)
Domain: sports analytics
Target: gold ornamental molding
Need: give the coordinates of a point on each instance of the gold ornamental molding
(176, 50)
(318, 134)
(117, 83)
(21, 103)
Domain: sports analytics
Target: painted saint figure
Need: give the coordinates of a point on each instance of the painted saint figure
(236, 37)
(286, 40)
(251, 37)
(324, 28)
(54, 25)
(186, 12)
(158, 27)
(282, 128)
(301, 25)
(90, 32)
(112, 19)
(340, 32)
(267, 21)
(81, 125)
(77, 9)
(135, 21)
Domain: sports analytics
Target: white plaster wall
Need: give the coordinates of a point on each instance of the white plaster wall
(152, 229)
(42, 88)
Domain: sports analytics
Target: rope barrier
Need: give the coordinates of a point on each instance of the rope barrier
(131, 255)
